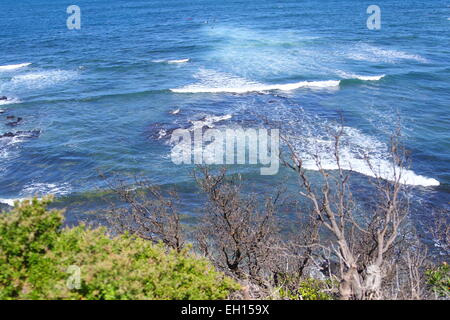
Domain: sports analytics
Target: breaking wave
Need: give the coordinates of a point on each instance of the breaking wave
(358, 153)
(42, 79)
(217, 82)
(39, 190)
(14, 66)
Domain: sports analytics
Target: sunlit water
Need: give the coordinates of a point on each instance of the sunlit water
(99, 99)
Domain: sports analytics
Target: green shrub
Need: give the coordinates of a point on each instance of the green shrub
(36, 255)
(309, 289)
(439, 280)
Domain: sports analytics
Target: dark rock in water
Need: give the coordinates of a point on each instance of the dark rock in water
(14, 123)
(7, 135)
(30, 133)
(3, 98)
(10, 117)
(158, 130)
(24, 134)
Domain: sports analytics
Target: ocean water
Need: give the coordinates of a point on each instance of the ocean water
(99, 99)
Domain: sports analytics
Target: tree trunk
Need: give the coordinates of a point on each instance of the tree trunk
(372, 284)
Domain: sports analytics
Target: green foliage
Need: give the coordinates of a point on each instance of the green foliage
(26, 234)
(439, 280)
(36, 253)
(309, 289)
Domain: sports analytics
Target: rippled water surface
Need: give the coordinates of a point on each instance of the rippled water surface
(97, 99)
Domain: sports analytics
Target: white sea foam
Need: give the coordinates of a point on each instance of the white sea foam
(9, 101)
(7, 145)
(14, 66)
(266, 54)
(38, 190)
(370, 78)
(42, 78)
(178, 61)
(217, 82)
(10, 201)
(174, 61)
(208, 121)
(162, 133)
(369, 53)
(259, 88)
(348, 75)
(355, 149)
(42, 189)
(380, 168)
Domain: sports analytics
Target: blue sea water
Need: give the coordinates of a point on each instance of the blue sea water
(101, 96)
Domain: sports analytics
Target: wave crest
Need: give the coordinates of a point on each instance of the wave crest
(358, 153)
(10, 67)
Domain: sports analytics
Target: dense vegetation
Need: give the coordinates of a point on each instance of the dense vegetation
(335, 247)
(41, 260)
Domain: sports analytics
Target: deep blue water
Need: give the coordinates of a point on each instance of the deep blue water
(100, 96)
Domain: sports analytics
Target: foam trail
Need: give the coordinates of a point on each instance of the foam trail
(370, 53)
(33, 189)
(178, 61)
(14, 66)
(259, 87)
(9, 101)
(209, 121)
(46, 188)
(384, 170)
(10, 201)
(370, 78)
(211, 81)
(42, 79)
(346, 75)
(174, 61)
(354, 148)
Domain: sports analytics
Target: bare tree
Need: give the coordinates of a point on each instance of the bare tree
(234, 232)
(440, 232)
(147, 212)
(362, 247)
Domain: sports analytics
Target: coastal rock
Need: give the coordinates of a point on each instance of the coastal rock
(14, 123)
(24, 134)
(7, 135)
(159, 130)
(3, 98)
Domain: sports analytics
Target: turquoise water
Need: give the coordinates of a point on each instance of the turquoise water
(99, 98)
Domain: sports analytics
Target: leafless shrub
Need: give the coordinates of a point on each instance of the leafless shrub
(239, 236)
(440, 231)
(371, 250)
(147, 212)
(366, 246)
